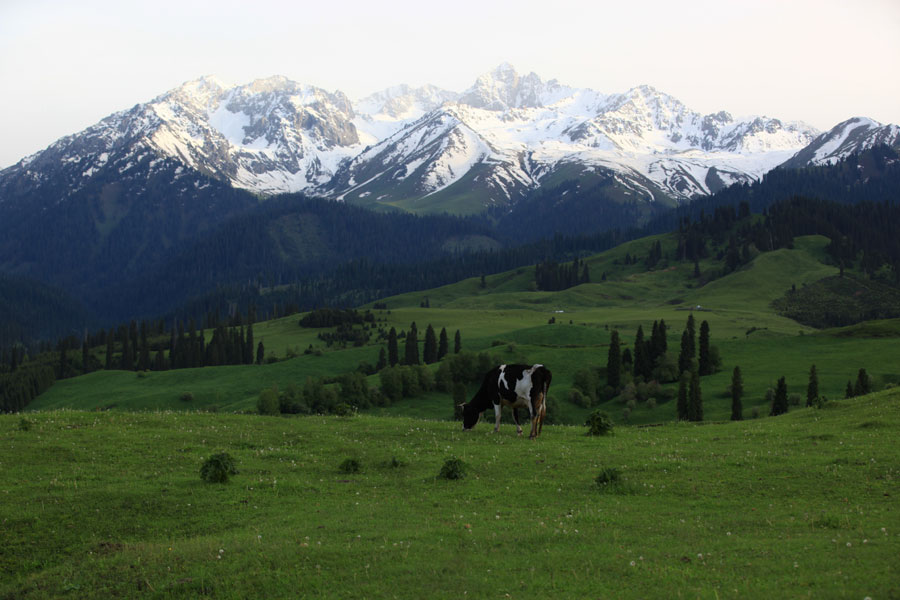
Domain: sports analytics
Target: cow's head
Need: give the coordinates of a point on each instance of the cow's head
(470, 415)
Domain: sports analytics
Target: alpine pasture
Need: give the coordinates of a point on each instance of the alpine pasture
(103, 498)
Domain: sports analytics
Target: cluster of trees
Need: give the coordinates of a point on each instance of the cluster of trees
(23, 384)
(551, 276)
(332, 317)
(434, 348)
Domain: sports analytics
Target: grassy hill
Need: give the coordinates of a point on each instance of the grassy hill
(110, 504)
(510, 318)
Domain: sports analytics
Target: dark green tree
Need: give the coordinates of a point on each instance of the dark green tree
(848, 392)
(704, 362)
(457, 343)
(85, 357)
(863, 384)
(681, 405)
(737, 391)
(260, 353)
(63, 366)
(429, 350)
(443, 344)
(144, 356)
(812, 388)
(780, 403)
(695, 399)
(110, 349)
(393, 349)
(411, 350)
(614, 362)
(382, 359)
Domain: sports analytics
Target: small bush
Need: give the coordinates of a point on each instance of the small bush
(599, 423)
(342, 409)
(453, 468)
(350, 465)
(607, 477)
(186, 397)
(25, 424)
(218, 468)
(267, 403)
(143, 374)
(394, 463)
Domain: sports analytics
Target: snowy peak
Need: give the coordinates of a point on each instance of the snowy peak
(405, 102)
(849, 137)
(504, 89)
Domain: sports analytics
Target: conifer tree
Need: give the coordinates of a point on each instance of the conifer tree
(411, 355)
(681, 406)
(393, 349)
(705, 365)
(641, 359)
(260, 353)
(144, 357)
(429, 351)
(457, 343)
(127, 356)
(780, 403)
(160, 364)
(863, 384)
(614, 362)
(442, 344)
(812, 389)
(248, 347)
(382, 359)
(63, 360)
(110, 340)
(695, 400)
(737, 391)
(85, 356)
(848, 392)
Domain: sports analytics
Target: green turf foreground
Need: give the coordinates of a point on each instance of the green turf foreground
(111, 504)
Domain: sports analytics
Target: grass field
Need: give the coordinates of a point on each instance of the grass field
(110, 504)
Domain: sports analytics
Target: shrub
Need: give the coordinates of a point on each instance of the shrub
(24, 424)
(609, 476)
(267, 403)
(186, 397)
(218, 468)
(453, 468)
(599, 423)
(342, 409)
(350, 465)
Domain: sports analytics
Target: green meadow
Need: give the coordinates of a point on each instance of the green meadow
(102, 495)
(111, 504)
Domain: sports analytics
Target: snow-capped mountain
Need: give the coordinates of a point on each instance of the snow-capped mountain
(850, 137)
(431, 149)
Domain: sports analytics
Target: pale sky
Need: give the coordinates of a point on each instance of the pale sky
(64, 65)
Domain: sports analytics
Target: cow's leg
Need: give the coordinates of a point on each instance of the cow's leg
(533, 415)
(541, 412)
(516, 419)
(497, 408)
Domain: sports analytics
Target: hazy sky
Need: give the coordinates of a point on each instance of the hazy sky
(64, 65)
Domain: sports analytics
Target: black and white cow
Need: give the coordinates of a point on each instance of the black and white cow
(516, 386)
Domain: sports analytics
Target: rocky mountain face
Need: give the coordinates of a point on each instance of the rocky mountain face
(844, 139)
(424, 149)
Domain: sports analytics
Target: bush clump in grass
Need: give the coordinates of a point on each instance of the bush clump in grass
(453, 468)
(342, 409)
(218, 468)
(267, 402)
(394, 463)
(599, 423)
(25, 424)
(608, 478)
(350, 465)
(186, 397)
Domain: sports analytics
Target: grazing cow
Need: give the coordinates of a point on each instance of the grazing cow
(516, 386)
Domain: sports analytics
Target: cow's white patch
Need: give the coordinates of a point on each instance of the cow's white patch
(502, 379)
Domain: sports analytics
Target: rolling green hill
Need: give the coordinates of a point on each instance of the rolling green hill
(508, 317)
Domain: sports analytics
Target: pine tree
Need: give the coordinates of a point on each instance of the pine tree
(695, 400)
(110, 349)
(411, 354)
(260, 353)
(681, 406)
(382, 359)
(737, 391)
(641, 359)
(85, 356)
(614, 362)
(705, 365)
(144, 357)
(863, 384)
(848, 392)
(780, 403)
(442, 344)
(248, 347)
(812, 389)
(393, 349)
(457, 343)
(429, 351)
(63, 360)
(127, 356)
